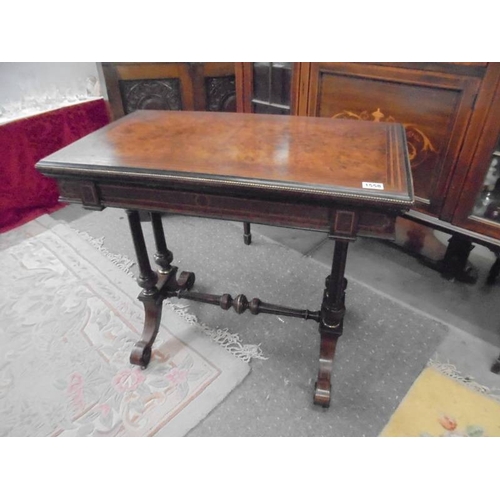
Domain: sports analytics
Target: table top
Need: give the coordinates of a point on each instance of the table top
(338, 158)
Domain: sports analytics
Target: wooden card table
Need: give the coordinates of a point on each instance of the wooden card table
(341, 177)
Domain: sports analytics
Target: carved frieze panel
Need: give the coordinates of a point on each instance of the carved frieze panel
(220, 93)
(151, 94)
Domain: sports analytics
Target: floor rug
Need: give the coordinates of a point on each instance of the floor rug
(384, 348)
(68, 321)
(440, 405)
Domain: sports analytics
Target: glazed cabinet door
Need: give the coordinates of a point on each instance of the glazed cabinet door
(170, 86)
(478, 207)
(435, 108)
(267, 87)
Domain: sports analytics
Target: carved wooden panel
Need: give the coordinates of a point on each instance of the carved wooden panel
(186, 86)
(151, 94)
(220, 93)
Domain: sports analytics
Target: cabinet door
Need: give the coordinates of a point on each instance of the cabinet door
(170, 86)
(267, 87)
(478, 207)
(433, 106)
(215, 86)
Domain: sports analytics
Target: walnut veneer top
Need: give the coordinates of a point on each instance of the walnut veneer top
(303, 154)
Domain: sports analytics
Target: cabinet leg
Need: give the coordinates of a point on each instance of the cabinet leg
(331, 323)
(494, 270)
(247, 235)
(496, 366)
(455, 262)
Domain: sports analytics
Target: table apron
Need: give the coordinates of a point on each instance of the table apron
(329, 218)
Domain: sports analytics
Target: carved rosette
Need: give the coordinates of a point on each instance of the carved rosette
(151, 94)
(221, 93)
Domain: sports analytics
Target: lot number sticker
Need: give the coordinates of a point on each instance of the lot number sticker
(372, 185)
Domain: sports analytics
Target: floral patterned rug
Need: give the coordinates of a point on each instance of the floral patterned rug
(68, 321)
(443, 403)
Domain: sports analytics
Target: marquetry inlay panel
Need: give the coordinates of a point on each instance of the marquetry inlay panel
(420, 147)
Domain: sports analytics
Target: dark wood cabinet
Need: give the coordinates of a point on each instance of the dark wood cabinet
(435, 108)
(476, 204)
(205, 86)
(451, 114)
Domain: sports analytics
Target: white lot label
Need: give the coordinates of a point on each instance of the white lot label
(372, 185)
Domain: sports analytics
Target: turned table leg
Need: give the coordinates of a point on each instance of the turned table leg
(331, 323)
(141, 353)
(163, 256)
(156, 286)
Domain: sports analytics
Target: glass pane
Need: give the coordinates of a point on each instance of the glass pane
(261, 81)
(280, 84)
(488, 201)
(272, 87)
(287, 65)
(269, 109)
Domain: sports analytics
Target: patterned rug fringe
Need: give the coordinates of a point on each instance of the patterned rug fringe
(119, 260)
(451, 371)
(231, 342)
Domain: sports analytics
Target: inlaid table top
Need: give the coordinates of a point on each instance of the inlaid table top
(359, 160)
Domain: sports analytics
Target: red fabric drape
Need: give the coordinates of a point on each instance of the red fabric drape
(24, 192)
